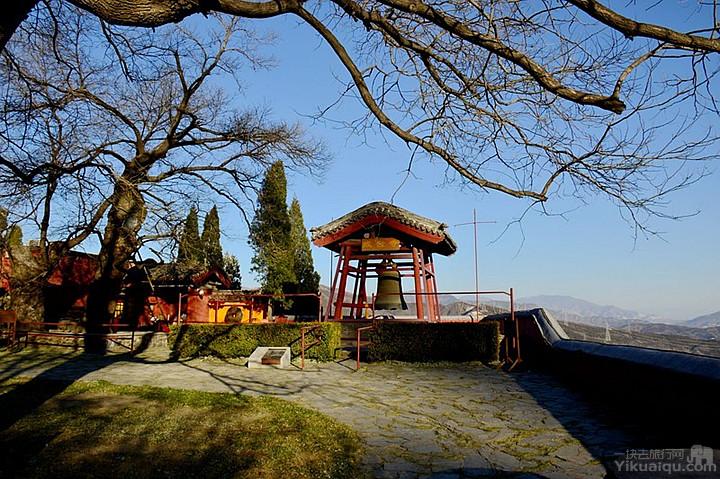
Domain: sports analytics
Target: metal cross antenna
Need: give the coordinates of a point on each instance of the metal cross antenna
(475, 222)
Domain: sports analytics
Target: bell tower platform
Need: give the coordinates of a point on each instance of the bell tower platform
(389, 243)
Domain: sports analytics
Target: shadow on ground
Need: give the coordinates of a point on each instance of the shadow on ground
(59, 370)
(615, 410)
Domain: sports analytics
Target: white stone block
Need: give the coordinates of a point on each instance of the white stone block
(280, 356)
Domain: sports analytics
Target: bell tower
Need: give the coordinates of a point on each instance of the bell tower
(383, 241)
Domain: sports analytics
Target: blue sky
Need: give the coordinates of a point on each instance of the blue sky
(590, 253)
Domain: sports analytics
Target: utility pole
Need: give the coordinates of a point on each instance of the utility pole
(475, 222)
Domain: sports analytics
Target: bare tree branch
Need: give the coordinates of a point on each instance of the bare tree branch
(631, 28)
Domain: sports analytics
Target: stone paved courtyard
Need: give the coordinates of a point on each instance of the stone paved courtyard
(439, 421)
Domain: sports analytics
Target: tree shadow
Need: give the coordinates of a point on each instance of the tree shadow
(51, 381)
(242, 385)
(135, 455)
(27, 397)
(216, 446)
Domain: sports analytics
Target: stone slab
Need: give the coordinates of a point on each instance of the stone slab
(255, 361)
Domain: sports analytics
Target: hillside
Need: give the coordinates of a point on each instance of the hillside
(581, 307)
(705, 321)
(709, 333)
(643, 339)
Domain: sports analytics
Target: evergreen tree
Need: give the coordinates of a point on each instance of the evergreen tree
(211, 249)
(14, 237)
(231, 266)
(11, 236)
(308, 279)
(270, 234)
(190, 248)
(3, 220)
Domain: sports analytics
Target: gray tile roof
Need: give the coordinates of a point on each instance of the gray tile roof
(421, 223)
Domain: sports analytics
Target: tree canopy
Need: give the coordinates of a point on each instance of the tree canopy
(11, 235)
(210, 241)
(231, 266)
(270, 234)
(308, 280)
(189, 247)
(533, 99)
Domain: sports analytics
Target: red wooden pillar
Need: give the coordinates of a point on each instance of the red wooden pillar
(433, 285)
(433, 310)
(333, 287)
(418, 284)
(345, 259)
(425, 280)
(356, 284)
(362, 293)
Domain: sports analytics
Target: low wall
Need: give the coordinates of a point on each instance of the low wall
(111, 343)
(676, 392)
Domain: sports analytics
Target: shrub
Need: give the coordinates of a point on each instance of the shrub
(434, 342)
(240, 340)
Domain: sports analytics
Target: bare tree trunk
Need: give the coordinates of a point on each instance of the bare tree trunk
(27, 284)
(13, 14)
(125, 219)
(80, 128)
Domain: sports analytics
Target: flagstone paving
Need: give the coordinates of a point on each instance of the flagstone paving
(439, 421)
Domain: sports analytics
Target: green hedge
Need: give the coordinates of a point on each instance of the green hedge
(240, 340)
(434, 342)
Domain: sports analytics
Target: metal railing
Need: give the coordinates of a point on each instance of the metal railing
(113, 337)
(303, 345)
(8, 325)
(359, 332)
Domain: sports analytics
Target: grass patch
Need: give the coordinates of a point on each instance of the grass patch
(93, 429)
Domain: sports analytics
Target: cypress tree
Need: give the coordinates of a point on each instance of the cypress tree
(14, 237)
(308, 279)
(11, 236)
(189, 248)
(211, 249)
(3, 222)
(270, 234)
(3, 229)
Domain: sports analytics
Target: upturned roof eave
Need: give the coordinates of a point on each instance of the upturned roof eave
(427, 230)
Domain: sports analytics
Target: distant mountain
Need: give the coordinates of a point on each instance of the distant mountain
(705, 321)
(578, 311)
(580, 307)
(446, 298)
(574, 310)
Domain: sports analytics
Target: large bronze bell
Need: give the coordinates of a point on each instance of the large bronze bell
(389, 288)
